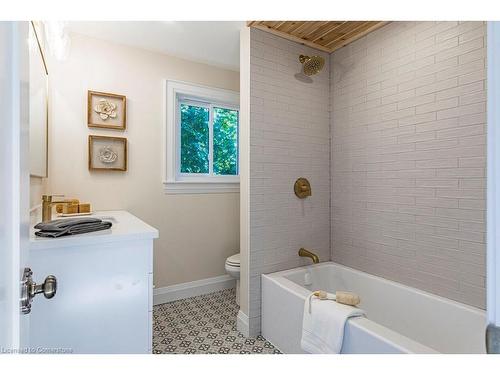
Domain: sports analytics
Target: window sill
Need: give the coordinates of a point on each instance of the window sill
(192, 187)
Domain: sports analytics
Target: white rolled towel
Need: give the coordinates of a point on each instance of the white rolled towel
(323, 327)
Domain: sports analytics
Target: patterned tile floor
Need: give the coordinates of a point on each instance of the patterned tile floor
(203, 325)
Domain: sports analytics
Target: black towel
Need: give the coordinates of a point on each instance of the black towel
(66, 227)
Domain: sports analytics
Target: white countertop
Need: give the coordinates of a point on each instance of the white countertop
(126, 227)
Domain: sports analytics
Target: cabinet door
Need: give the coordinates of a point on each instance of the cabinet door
(102, 303)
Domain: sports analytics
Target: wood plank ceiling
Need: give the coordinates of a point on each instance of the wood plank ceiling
(326, 36)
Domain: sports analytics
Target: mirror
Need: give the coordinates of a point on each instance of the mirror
(38, 110)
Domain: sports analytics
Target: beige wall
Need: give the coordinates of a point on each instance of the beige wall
(197, 232)
(38, 187)
(408, 156)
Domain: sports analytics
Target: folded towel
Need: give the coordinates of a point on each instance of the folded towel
(323, 327)
(66, 227)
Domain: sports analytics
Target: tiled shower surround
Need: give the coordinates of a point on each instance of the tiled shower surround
(391, 135)
(408, 156)
(289, 138)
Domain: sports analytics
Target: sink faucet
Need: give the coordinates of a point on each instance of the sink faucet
(47, 203)
(308, 254)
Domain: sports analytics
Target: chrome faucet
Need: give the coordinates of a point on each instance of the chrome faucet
(47, 203)
(308, 254)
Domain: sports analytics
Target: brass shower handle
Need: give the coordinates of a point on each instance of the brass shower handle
(302, 188)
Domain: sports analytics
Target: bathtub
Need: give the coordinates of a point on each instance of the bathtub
(399, 319)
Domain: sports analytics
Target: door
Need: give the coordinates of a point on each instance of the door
(14, 182)
(493, 190)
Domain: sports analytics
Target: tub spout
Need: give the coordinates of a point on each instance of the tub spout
(308, 254)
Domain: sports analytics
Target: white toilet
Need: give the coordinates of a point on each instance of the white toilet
(233, 269)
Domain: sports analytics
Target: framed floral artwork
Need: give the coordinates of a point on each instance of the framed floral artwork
(106, 110)
(107, 153)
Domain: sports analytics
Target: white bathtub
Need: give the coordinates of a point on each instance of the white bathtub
(399, 319)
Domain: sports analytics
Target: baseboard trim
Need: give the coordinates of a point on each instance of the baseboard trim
(242, 324)
(192, 289)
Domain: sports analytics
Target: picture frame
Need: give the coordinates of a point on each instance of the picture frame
(107, 153)
(106, 110)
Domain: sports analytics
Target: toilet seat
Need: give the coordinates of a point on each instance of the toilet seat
(233, 260)
(232, 270)
(232, 266)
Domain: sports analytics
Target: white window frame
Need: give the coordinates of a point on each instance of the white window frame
(174, 181)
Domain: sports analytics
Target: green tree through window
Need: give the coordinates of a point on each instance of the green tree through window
(225, 141)
(195, 139)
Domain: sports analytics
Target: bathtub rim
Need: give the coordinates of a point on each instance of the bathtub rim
(281, 274)
(381, 332)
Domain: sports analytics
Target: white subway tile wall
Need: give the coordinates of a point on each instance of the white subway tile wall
(290, 138)
(408, 149)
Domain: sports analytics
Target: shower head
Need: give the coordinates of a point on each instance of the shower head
(311, 64)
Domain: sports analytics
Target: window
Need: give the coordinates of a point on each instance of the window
(201, 148)
(208, 139)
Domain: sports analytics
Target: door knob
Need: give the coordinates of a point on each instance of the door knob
(29, 289)
(48, 288)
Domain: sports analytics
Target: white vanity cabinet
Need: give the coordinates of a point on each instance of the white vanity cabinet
(104, 298)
